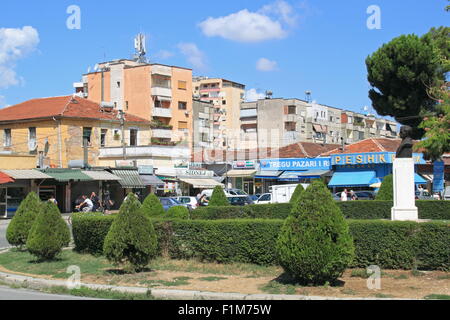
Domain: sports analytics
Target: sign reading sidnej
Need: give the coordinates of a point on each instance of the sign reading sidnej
(295, 164)
(438, 176)
(370, 158)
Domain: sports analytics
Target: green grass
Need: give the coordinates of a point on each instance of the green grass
(275, 287)
(444, 277)
(437, 297)
(348, 292)
(212, 278)
(100, 294)
(179, 281)
(359, 273)
(383, 296)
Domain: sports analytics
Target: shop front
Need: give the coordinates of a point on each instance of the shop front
(193, 181)
(242, 176)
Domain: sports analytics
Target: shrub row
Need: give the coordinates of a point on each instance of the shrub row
(434, 210)
(393, 245)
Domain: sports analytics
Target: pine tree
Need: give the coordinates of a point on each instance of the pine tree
(218, 198)
(386, 191)
(131, 240)
(49, 233)
(314, 245)
(297, 192)
(152, 207)
(20, 225)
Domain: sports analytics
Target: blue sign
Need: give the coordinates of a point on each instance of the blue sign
(298, 164)
(438, 176)
(370, 158)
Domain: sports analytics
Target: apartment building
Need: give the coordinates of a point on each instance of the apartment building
(226, 97)
(275, 123)
(155, 92)
(203, 126)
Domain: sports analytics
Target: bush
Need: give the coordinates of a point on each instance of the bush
(257, 211)
(131, 240)
(49, 233)
(218, 198)
(178, 212)
(314, 245)
(20, 225)
(152, 207)
(386, 191)
(297, 192)
(388, 244)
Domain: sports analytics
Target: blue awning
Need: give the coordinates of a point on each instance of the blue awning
(268, 174)
(307, 174)
(290, 176)
(353, 179)
(419, 180)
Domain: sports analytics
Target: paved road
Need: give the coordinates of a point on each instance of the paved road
(23, 294)
(3, 226)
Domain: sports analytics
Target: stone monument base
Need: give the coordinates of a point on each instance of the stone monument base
(404, 191)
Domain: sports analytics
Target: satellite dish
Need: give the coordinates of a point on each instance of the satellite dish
(96, 67)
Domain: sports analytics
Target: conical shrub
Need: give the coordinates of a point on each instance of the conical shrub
(297, 192)
(218, 198)
(49, 233)
(152, 207)
(131, 240)
(314, 245)
(386, 191)
(20, 225)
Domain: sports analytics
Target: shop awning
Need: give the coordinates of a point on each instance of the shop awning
(313, 173)
(65, 175)
(101, 176)
(129, 178)
(4, 178)
(240, 173)
(151, 180)
(290, 175)
(202, 183)
(319, 128)
(353, 179)
(418, 179)
(26, 174)
(268, 174)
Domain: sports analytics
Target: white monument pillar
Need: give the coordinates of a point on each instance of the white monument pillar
(404, 197)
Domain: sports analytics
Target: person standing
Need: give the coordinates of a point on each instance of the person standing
(344, 196)
(107, 202)
(53, 200)
(353, 195)
(95, 201)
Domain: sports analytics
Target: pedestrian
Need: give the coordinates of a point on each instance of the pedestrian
(52, 199)
(107, 202)
(203, 201)
(95, 201)
(344, 196)
(353, 195)
(78, 202)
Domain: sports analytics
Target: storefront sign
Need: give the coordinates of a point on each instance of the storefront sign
(295, 164)
(249, 164)
(438, 176)
(194, 173)
(370, 158)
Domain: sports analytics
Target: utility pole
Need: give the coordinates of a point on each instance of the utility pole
(122, 126)
(85, 152)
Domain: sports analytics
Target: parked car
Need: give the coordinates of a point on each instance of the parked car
(423, 195)
(192, 201)
(361, 195)
(447, 193)
(239, 200)
(235, 192)
(171, 202)
(266, 198)
(255, 197)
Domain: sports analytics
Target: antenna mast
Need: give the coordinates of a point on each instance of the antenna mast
(140, 50)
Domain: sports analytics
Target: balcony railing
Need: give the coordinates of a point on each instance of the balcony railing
(163, 92)
(162, 133)
(146, 151)
(162, 112)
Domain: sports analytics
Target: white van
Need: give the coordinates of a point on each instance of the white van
(283, 193)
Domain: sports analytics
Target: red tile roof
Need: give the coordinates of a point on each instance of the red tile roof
(302, 150)
(4, 178)
(368, 145)
(65, 107)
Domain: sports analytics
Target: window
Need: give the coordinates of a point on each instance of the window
(7, 138)
(32, 135)
(182, 85)
(292, 110)
(103, 134)
(290, 126)
(126, 105)
(87, 133)
(182, 105)
(118, 84)
(224, 102)
(133, 137)
(182, 125)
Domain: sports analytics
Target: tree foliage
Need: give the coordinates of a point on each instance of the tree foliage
(297, 192)
(178, 212)
(49, 233)
(314, 245)
(386, 191)
(20, 225)
(218, 198)
(152, 207)
(400, 73)
(131, 240)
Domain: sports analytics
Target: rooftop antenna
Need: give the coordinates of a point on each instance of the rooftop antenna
(269, 94)
(308, 96)
(139, 47)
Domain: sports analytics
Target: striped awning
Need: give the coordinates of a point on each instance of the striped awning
(129, 178)
(240, 173)
(202, 183)
(151, 180)
(26, 174)
(65, 175)
(102, 176)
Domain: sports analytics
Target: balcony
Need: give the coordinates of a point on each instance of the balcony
(162, 112)
(162, 92)
(146, 151)
(162, 133)
(162, 70)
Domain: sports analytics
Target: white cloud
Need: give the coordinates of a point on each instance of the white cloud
(253, 95)
(266, 65)
(14, 45)
(282, 10)
(194, 55)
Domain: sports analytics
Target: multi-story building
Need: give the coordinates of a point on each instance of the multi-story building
(158, 93)
(226, 96)
(203, 125)
(276, 123)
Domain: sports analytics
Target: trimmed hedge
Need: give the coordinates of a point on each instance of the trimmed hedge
(361, 209)
(397, 245)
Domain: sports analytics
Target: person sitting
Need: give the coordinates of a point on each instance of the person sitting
(86, 206)
(203, 201)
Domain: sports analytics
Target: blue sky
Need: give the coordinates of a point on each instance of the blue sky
(317, 45)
